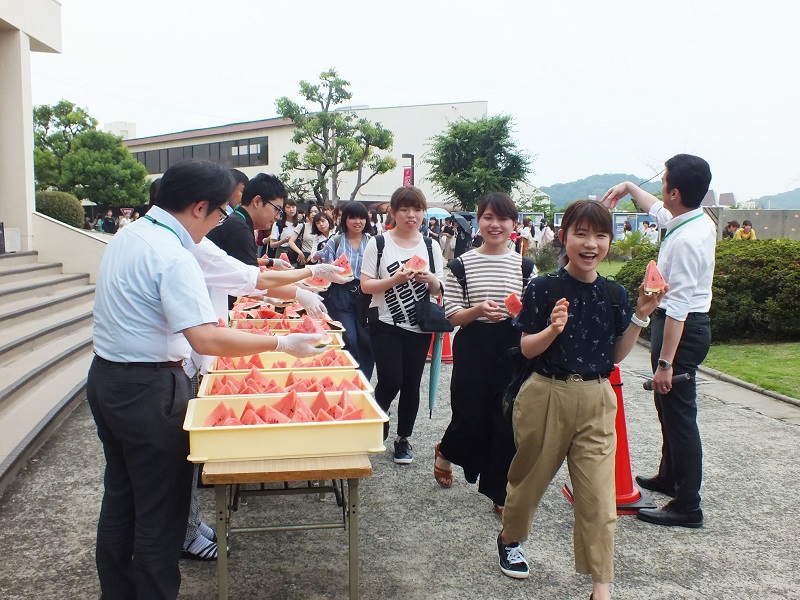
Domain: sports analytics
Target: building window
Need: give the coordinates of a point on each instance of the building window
(240, 153)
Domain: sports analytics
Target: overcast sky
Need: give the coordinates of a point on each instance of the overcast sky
(594, 87)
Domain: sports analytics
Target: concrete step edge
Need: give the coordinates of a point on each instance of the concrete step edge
(39, 283)
(19, 308)
(45, 329)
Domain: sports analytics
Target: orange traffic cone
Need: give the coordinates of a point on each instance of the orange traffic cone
(629, 497)
(447, 349)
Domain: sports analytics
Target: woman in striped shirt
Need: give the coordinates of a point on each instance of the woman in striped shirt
(341, 300)
(479, 438)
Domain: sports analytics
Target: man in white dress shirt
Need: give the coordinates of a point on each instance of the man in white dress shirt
(137, 389)
(681, 333)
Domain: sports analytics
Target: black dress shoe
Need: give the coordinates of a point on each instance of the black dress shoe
(655, 485)
(670, 517)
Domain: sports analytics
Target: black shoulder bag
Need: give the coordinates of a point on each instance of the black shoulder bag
(430, 315)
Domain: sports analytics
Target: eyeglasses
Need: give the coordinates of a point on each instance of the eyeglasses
(277, 210)
(224, 216)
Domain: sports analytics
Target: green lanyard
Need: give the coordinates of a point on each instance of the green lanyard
(160, 224)
(679, 225)
(241, 214)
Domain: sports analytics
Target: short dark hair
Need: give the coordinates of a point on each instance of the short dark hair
(352, 210)
(691, 176)
(733, 223)
(239, 177)
(589, 214)
(747, 222)
(410, 196)
(320, 216)
(154, 190)
(501, 205)
(191, 181)
(268, 187)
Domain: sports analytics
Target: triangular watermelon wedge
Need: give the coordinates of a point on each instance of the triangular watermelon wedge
(217, 416)
(513, 304)
(324, 416)
(355, 415)
(415, 264)
(250, 417)
(271, 416)
(345, 264)
(285, 257)
(320, 403)
(653, 280)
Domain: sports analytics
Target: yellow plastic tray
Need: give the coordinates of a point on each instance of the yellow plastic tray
(280, 378)
(286, 440)
(268, 358)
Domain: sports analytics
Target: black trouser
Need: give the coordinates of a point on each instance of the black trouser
(139, 414)
(399, 361)
(479, 438)
(682, 452)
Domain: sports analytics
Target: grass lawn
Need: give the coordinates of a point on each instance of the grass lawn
(607, 268)
(770, 366)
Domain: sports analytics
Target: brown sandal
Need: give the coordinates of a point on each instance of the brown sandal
(444, 477)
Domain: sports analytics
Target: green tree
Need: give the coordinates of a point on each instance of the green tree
(54, 129)
(100, 167)
(334, 141)
(473, 158)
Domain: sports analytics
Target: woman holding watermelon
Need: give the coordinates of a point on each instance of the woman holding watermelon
(479, 438)
(342, 299)
(400, 346)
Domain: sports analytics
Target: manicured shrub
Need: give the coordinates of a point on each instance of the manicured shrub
(61, 206)
(545, 258)
(756, 291)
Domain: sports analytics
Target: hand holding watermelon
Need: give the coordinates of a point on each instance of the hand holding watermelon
(300, 345)
(330, 273)
(491, 310)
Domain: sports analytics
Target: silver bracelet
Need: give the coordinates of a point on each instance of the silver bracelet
(637, 321)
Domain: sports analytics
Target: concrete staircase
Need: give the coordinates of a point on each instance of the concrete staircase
(45, 352)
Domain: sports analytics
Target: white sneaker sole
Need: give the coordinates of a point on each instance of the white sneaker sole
(515, 574)
(403, 461)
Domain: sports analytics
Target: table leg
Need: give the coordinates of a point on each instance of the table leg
(222, 541)
(352, 515)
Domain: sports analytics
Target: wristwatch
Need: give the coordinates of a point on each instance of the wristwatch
(663, 364)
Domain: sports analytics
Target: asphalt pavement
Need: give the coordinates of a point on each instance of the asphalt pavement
(421, 542)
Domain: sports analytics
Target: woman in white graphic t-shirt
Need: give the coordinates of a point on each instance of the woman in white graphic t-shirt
(399, 346)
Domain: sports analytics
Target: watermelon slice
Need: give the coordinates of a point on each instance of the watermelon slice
(269, 415)
(324, 416)
(356, 415)
(309, 325)
(250, 417)
(320, 404)
(302, 414)
(415, 264)
(217, 416)
(221, 323)
(248, 406)
(653, 280)
(257, 362)
(231, 421)
(285, 257)
(316, 283)
(513, 304)
(345, 264)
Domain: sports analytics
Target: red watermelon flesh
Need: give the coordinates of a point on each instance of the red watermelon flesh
(513, 305)
(279, 364)
(316, 282)
(221, 323)
(231, 421)
(248, 406)
(302, 414)
(320, 403)
(356, 415)
(345, 385)
(284, 405)
(346, 402)
(415, 264)
(653, 280)
(345, 264)
(250, 417)
(285, 257)
(324, 416)
(257, 362)
(217, 416)
(291, 311)
(271, 416)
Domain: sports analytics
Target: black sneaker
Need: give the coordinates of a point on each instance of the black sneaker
(512, 559)
(402, 452)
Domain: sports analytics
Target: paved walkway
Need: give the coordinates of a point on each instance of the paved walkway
(420, 542)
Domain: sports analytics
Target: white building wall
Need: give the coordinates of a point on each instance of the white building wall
(413, 126)
(24, 26)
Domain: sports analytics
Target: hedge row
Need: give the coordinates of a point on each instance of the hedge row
(756, 291)
(61, 206)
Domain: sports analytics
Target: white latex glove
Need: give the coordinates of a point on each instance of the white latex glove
(328, 272)
(281, 265)
(300, 345)
(312, 303)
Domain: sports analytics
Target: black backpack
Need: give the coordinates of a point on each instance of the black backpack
(523, 367)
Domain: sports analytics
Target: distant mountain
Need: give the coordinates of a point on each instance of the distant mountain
(784, 200)
(594, 185)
